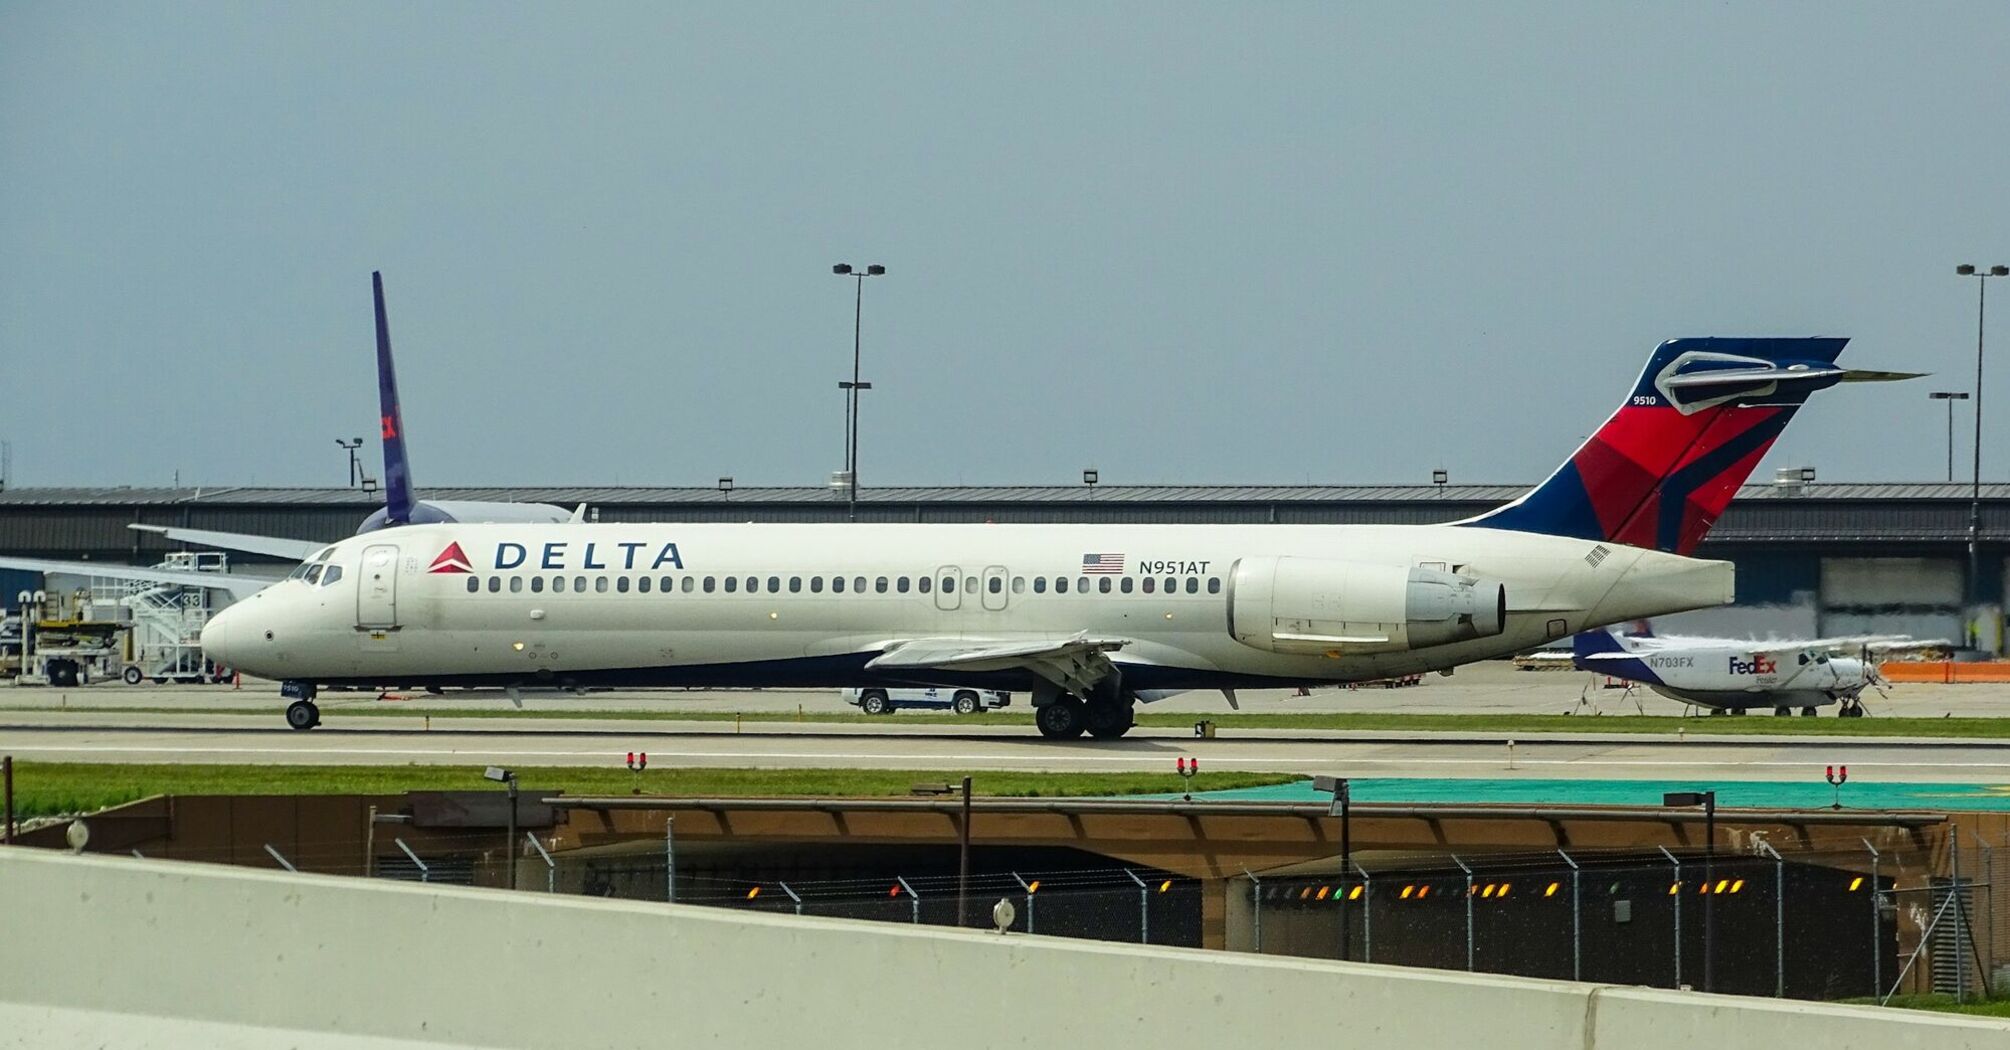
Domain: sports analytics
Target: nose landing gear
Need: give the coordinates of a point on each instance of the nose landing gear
(301, 713)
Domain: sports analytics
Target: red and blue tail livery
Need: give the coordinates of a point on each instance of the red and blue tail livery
(1660, 472)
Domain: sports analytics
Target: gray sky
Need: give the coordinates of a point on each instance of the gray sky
(1214, 243)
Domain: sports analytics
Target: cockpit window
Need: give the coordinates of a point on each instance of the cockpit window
(324, 553)
(331, 574)
(299, 570)
(313, 574)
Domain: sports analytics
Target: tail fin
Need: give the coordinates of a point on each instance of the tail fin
(397, 468)
(1602, 652)
(1661, 471)
(1594, 642)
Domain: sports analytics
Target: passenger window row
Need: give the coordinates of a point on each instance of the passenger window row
(816, 584)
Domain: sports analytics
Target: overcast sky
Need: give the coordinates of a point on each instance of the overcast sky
(1181, 242)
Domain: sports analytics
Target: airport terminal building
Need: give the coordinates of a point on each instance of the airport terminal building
(1814, 559)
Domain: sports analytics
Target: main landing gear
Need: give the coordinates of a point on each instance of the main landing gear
(302, 712)
(1105, 715)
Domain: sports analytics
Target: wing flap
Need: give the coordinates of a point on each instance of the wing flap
(1075, 664)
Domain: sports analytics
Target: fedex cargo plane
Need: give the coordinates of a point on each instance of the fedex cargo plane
(1090, 619)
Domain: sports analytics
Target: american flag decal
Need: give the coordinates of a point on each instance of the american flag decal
(1103, 564)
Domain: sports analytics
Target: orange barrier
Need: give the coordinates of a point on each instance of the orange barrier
(1946, 672)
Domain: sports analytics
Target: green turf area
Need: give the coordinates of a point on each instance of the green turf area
(1944, 1004)
(54, 788)
(1748, 725)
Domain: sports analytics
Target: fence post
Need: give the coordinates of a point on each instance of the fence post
(1987, 884)
(915, 897)
(1256, 898)
(1779, 919)
(1028, 887)
(1676, 892)
(1576, 921)
(1367, 915)
(1469, 909)
(425, 873)
(669, 860)
(1144, 909)
(283, 862)
(550, 866)
(792, 896)
(1876, 925)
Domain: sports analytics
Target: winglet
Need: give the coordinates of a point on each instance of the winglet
(578, 514)
(397, 467)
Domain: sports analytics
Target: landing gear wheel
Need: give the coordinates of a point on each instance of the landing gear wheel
(873, 702)
(1063, 719)
(131, 675)
(302, 714)
(1108, 721)
(1781, 712)
(1807, 712)
(1851, 709)
(965, 703)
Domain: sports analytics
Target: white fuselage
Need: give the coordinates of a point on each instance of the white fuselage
(651, 604)
(1735, 678)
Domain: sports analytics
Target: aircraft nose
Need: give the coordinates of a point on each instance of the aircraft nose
(219, 637)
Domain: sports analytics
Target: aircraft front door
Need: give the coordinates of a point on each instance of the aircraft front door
(377, 591)
(948, 587)
(994, 588)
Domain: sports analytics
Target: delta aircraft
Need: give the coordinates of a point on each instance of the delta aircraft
(1089, 619)
(401, 506)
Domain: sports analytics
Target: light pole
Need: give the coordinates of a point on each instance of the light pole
(1708, 800)
(351, 446)
(1950, 396)
(852, 388)
(1975, 490)
(507, 777)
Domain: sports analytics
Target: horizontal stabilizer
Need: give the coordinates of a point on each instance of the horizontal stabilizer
(1865, 375)
(270, 546)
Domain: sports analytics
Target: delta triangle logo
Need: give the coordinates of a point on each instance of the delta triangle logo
(451, 560)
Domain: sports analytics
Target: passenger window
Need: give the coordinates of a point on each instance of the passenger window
(331, 574)
(1039, 585)
(1103, 584)
(1214, 585)
(816, 585)
(1149, 583)
(732, 584)
(495, 585)
(1192, 584)
(1082, 585)
(1060, 585)
(837, 585)
(995, 585)
(900, 585)
(642, 584)
(579, 584)
(711, 584)
(558, 585)
(516, 585)
(774, 585)
(879, 585)
(923, 583)
(600, 584)
(949, 585)
(1125, 585)
(753, 585)
(690, 582)
(537, 585)
(858, 584)
(1018, 585)
(795, 584)
(621, 584)
(1172, 585)
(666, 584)
(474, 584)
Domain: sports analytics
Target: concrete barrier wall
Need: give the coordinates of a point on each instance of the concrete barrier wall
(109, 950)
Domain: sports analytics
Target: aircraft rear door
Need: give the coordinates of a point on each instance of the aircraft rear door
(948, 587)
(377, 590)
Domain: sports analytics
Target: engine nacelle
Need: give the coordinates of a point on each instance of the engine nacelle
(1315, 605)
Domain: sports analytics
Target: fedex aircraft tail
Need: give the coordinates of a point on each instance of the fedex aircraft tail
(1602, 652)
(1661, 471)
(397, 469)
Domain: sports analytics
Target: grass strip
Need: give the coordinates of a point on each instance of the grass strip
(56, 788)
(1665, 725)
(1943, 1003)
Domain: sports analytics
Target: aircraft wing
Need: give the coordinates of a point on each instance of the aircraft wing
(1848, 644)
(1075, 664)
(272, 546)
(239, 586)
